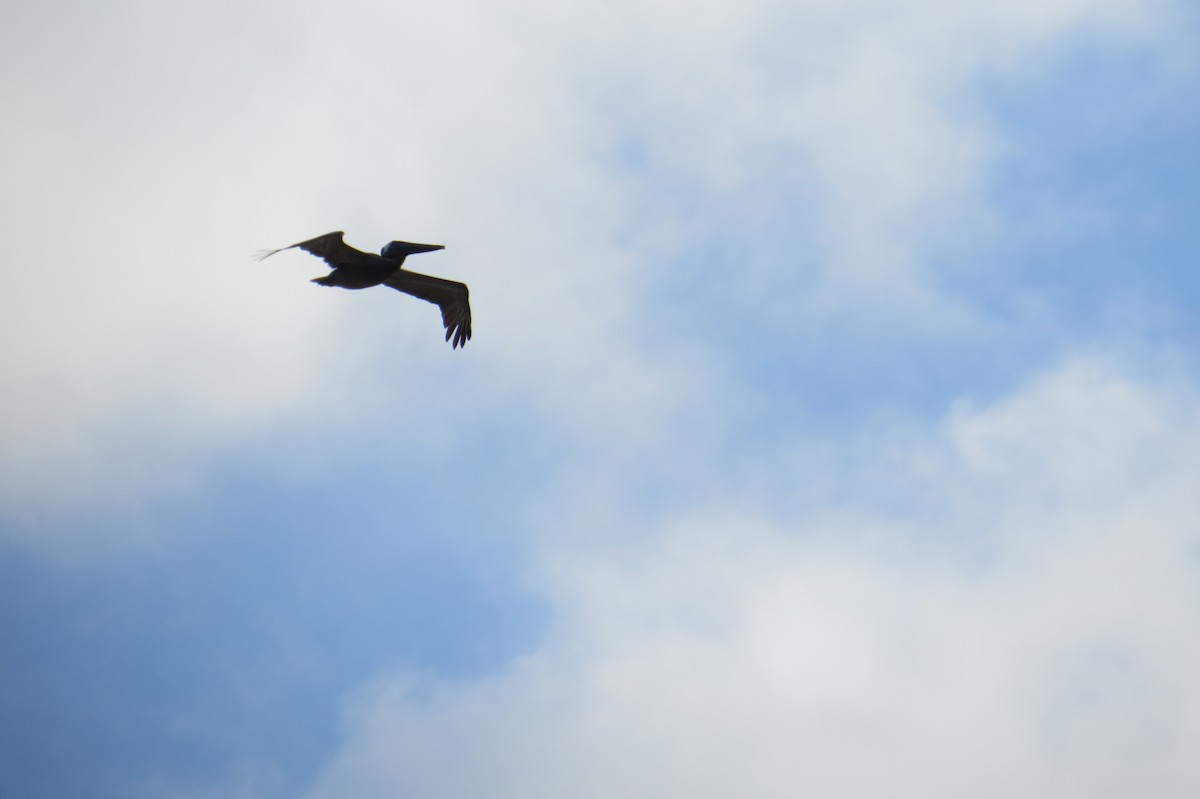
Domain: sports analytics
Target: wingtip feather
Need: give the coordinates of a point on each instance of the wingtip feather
(263, 255)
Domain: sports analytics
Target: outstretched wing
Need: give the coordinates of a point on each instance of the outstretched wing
(331, 249)
(452, 297)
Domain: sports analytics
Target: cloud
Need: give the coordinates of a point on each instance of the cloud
(140, 337)
(144, 168)
(1026, 634)
(655, 204)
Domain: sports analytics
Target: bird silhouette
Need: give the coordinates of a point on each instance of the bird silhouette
(355, 269)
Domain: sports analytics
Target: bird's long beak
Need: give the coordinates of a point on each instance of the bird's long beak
(409, 248)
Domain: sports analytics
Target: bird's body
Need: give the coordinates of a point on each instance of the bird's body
(355, 269)
(359, 276)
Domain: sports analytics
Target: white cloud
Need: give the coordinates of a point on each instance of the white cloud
(157, 148)
(842, 653)
(1001, 606)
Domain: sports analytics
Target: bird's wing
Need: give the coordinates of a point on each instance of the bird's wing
(452, 297)
(330, 248)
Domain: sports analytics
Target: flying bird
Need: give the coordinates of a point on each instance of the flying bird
(355, 269)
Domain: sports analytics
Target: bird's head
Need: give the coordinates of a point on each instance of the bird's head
(399, 249)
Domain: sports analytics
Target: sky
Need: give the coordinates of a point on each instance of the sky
(829, 428)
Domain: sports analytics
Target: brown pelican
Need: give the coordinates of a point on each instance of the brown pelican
(355, 269)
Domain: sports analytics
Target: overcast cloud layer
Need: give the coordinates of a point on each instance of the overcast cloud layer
(829, 426)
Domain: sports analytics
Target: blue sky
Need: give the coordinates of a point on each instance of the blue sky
(829, 426)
